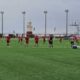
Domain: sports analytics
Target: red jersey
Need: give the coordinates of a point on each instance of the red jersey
(36, 39)
(21, 39)
(8, 39)
(27, 39)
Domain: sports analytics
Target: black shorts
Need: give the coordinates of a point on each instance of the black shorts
(50, 42)
(74, 47)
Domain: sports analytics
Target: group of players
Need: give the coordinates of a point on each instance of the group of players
(27, 40)
(74, 41)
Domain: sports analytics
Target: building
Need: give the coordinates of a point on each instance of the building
(29, 28)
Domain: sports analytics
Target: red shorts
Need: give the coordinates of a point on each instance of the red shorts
(36, 42)
(27, 42)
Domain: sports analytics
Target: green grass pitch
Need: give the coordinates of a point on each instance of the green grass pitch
(19, 62)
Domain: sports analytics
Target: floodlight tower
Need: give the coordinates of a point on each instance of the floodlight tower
(66, 21)
(45, 12)
(2, 12)
(23, 22)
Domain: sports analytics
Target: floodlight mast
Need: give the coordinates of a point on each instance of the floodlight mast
(45, 12)
(23, 22)
(2, 12)
(66, 21)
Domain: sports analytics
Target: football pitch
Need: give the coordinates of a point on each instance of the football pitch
(19, 62)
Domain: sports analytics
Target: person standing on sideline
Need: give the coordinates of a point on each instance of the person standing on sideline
(8, 40)
(51, 41)
(36, 39)
(27, 40)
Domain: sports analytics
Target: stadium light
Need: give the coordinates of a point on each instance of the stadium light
(45, 12)
(2, 12)
(66, 21)
(23, 22)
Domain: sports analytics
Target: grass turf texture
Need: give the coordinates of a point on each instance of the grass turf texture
(18, 62)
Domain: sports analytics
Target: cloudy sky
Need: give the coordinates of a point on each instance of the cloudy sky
(13, 18)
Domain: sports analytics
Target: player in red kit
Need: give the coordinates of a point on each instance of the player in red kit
(36, 38)
(8, 40)
(51, 41)
(27, 40)
(21, 39)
